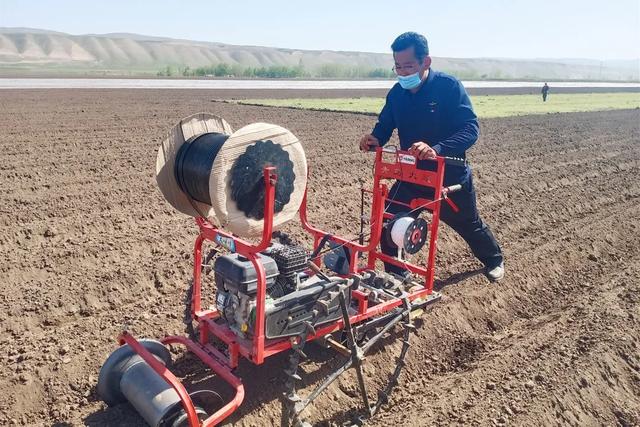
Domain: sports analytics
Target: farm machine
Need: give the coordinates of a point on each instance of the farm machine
(273, 295)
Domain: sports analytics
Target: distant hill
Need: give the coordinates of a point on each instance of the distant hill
(25, 51)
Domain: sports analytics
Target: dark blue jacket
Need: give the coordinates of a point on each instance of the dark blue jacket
(440, 114)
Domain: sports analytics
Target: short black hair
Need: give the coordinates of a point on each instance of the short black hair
(411, 39)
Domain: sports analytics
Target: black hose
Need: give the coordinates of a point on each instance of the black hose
(193, 164)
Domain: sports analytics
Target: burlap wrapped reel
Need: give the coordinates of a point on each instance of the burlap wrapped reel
(205, 169)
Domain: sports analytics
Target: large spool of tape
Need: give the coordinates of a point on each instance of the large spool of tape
(205, 169)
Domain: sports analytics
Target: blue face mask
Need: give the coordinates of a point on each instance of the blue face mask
(411, 81)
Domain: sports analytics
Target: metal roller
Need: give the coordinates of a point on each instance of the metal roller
(126, 377)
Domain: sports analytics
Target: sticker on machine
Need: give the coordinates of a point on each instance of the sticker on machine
(407, 159)
(226, 242)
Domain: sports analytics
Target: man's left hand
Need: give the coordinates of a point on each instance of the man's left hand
(422, 151)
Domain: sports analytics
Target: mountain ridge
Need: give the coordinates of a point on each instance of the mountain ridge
(39, 50)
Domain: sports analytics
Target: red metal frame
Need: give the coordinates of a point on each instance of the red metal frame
(403, 167)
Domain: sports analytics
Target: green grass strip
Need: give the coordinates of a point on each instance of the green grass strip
(484, 105)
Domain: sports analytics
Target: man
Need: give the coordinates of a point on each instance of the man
(433, 115)
(545, 91)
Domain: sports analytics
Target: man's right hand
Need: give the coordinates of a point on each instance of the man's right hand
(368, 141)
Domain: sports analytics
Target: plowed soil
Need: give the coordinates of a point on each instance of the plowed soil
(89, 246)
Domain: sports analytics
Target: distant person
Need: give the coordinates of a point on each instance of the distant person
(545, 91)
(433, 115)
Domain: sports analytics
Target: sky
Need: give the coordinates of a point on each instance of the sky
(593, 29)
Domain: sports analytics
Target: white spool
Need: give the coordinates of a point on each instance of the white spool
(399, 230)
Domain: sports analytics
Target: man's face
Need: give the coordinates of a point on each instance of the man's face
(406, 63)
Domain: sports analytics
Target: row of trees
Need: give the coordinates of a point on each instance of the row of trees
(326, 71)
(276, 71)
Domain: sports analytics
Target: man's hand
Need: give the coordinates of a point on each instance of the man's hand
(368, 141)
(422, 151)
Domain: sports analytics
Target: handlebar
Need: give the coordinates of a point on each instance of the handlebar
(448, 160)
(452, 189)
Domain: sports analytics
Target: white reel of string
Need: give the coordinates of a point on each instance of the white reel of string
(408, 234)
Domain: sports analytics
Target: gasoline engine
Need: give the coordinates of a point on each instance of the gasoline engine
(292, 295)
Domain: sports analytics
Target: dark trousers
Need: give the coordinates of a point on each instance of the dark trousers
(467, 222)
(544, 97)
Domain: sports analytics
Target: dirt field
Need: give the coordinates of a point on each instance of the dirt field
(89, 245)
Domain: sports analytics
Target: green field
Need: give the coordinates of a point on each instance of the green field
(484, 105)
